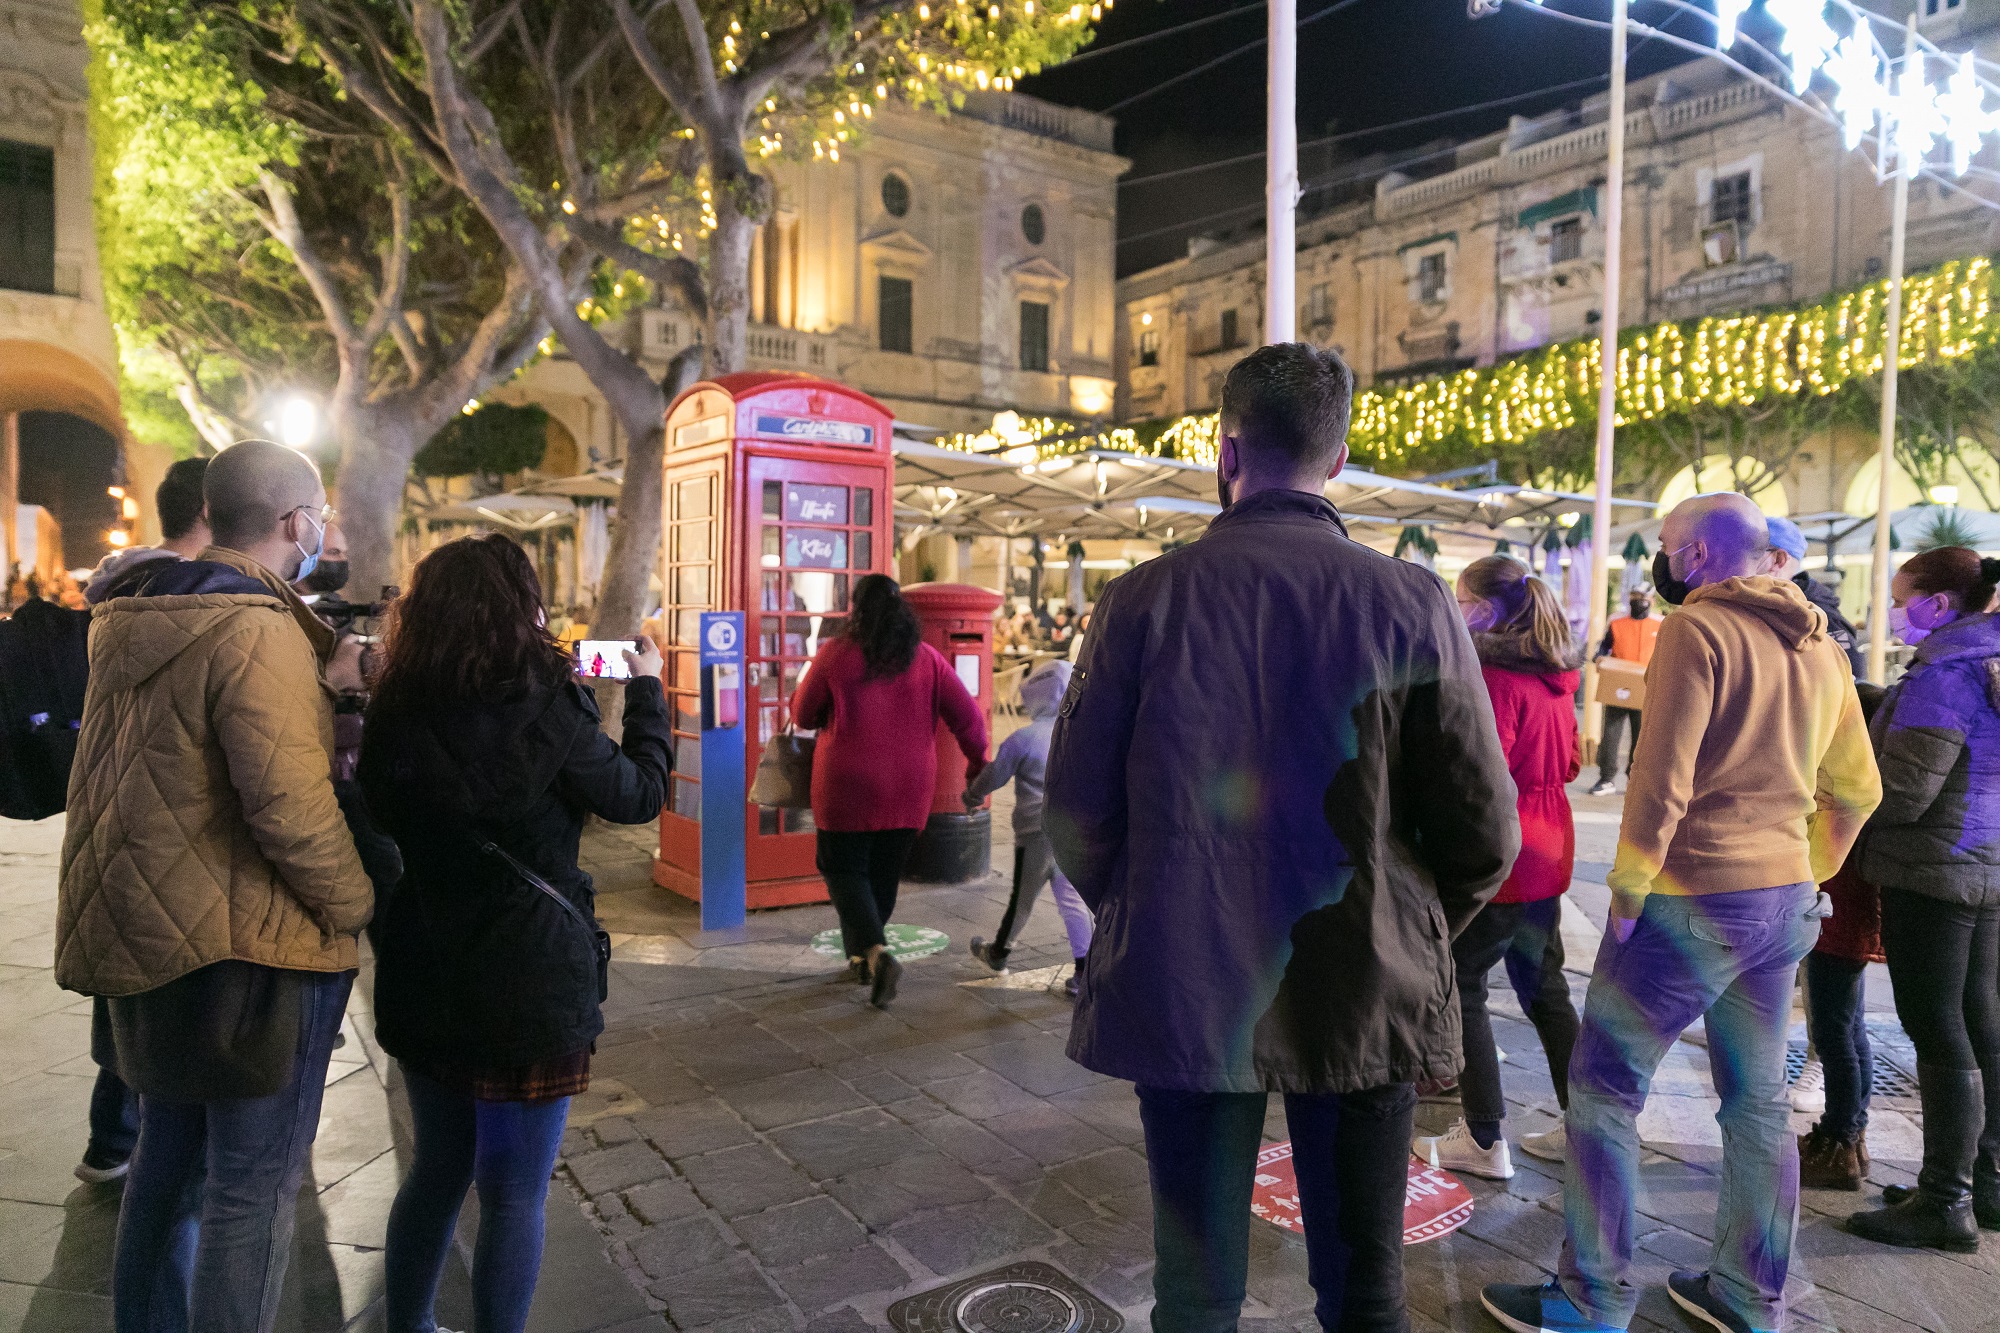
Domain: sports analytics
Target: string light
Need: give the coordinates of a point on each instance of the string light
(1721, 361)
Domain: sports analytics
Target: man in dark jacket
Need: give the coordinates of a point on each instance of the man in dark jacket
(1276, 780)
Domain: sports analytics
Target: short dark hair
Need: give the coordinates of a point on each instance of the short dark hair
(251, 486)
(179, 498)
(1290, 399)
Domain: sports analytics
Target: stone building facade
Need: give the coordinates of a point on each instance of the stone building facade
(1733, 199)
(953, 266)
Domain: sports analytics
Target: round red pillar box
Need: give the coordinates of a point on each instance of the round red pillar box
(955, 845)
(778, 496)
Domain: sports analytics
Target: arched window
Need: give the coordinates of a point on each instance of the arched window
(895, 195)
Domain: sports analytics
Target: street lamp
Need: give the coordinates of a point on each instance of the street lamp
(298, 420)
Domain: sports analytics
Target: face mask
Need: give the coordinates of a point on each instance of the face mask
(309, 560)
(1672, 591)
(326, 576)
(1640, 610)
(1917, 622)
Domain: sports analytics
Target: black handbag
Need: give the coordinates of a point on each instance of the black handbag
(600, 939)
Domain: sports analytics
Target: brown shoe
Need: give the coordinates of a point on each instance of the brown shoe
(1829, 1163)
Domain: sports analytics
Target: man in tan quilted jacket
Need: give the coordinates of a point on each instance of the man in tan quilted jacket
(211, 891)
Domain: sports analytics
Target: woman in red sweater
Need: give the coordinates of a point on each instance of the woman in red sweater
(875, 695)
(1531, 663)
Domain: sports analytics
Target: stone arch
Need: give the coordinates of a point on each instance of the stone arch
(41, 377)
(1718, 472)
(1974, 475)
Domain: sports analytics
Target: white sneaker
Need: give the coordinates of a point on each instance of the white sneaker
(1550, 1147)
(1457, 1150)
(1809, 1093)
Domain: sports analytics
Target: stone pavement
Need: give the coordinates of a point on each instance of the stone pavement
(763, 1151)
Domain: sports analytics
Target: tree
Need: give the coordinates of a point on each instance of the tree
(634, 178)
(489, 443)
(264, 234)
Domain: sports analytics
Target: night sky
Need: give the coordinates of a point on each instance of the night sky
(1371, 63)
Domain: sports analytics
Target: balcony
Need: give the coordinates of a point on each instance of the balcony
(663, 333)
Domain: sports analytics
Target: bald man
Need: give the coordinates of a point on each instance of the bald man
(1749, 786)
(211, 893)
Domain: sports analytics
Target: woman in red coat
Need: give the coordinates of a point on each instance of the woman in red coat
(875, 695)
(1532, 669)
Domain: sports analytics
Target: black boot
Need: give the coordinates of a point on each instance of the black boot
(1986, 1168)
(1938, 1215)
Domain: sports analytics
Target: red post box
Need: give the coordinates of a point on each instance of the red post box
(955, 845)
(778, 496)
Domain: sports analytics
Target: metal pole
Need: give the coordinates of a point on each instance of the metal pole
(1281, 186)
(1892, 347)
(1607, 389)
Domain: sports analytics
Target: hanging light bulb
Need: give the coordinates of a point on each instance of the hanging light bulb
(1809, 40)
(1967, 121)
(1727, 14)
(1857, 72)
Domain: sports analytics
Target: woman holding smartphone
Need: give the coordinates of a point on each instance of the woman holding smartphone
(482, 756)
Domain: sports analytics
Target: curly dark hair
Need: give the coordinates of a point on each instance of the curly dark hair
(883, 626)
(471, 628)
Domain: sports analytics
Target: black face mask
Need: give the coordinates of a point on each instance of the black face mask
(327, 576)
(1672, 591)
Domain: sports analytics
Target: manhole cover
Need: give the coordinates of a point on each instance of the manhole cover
(1434, 1203)
(1016, 1307)
(1020, 1298)
(905, 942)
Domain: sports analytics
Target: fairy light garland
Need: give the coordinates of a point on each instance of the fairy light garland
(1720, 361)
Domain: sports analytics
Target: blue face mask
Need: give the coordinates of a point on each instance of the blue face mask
(309, 560)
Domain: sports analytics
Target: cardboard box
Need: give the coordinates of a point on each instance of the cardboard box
(1621, 684)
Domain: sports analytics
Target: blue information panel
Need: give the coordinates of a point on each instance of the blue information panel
(723, 790)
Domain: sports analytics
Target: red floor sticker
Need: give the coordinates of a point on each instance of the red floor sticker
(1434, 1204)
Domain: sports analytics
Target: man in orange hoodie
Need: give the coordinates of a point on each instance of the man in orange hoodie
(1751, 782)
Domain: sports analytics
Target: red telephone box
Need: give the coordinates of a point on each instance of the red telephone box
(778, 496)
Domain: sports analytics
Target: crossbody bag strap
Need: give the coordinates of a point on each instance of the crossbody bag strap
(495, 849)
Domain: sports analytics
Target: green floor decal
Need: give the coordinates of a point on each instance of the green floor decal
(905, 942)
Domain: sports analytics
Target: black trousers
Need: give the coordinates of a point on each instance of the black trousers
(1944, 966)
(1350, 1154)
(1614, 733)
(862, 873)
(1528, 936)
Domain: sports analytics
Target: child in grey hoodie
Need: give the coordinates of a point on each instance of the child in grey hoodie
(1024, 758)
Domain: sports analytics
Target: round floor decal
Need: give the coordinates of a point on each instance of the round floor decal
(905, 942)
(1434, 1204)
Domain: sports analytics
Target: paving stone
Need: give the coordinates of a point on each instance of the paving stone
(981, 1096)
(915, 1110)
(967, 1236)
(612, 1169)
(777, 1319)
(926, 1064)
(1055, 1203)
(1104, 1174)
(843, 1320)
(728, 1056)
(1048, 1135)
(708, 1296)
(743, 1180)
(1110, 1108)
(662, 1201)
(787, 1099)
(848, 1143)
(780, 1237)
(822, 1282)
(880, 1086)
(696, 1127)
(614, 1130)
(1037, 1064)
(1114, 1244)
(673, 1248)
(1527, 1230)
(970, 1144)
(907, 1186)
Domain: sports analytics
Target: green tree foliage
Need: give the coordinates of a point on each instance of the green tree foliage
(266, 235)
(492, 441)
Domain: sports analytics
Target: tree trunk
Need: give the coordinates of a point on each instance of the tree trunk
(635, 545)
(375, 459)
(742, 202)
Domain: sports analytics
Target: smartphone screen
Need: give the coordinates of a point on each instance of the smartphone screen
(603, 659)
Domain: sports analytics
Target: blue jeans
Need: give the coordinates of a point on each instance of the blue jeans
(1350, 1154)
(1731, 957)
(1837, 1020)
(213, 1191)
(506, 1149)
(114, 1117)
